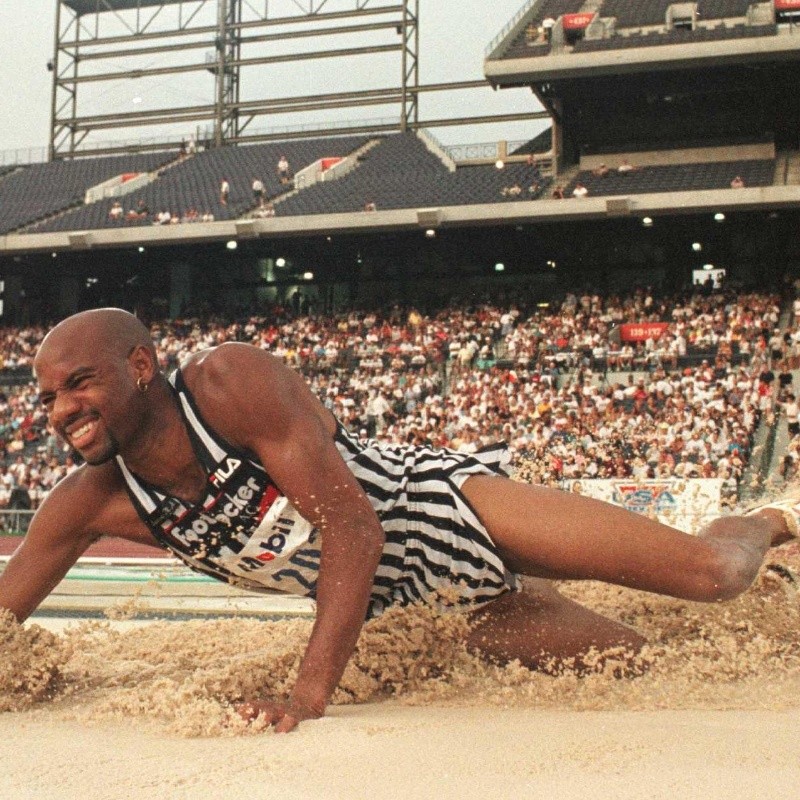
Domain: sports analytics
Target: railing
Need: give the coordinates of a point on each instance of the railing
(509, 25)
(481, 151)
(15, 520)
(39, 155)
(23, 155)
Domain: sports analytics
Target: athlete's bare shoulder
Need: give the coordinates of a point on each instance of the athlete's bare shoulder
(238, 386)
(228, 361)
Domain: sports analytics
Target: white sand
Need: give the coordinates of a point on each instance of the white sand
(716, 716)
(386, 751)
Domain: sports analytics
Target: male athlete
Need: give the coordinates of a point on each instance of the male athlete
(236, 467)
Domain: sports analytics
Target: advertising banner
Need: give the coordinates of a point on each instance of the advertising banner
(683, 504)
(576, 22)
(641, 331)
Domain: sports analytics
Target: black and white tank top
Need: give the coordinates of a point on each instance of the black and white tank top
(243, 531)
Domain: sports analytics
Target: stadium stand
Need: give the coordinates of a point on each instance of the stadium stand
(722, 9)
(675, 178)
(41, 190)
(636, 13)
(559, 394)
(676, 36)
(402, 173)
(531, 40)
(539, 144)
(641, 23)
(194, 183)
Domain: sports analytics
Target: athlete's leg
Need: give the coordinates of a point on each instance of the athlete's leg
(550, 533)
(545, 631)
(553, 534)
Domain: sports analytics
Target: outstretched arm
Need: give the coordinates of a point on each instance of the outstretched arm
(59, 533)
(257, 403)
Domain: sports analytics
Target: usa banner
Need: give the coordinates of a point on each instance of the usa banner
(683, 504)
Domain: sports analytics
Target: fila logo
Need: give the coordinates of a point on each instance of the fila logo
(223, 473)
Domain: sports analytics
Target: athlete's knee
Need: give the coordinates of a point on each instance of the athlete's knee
(726, 569)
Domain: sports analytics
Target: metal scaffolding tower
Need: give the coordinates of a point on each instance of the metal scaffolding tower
(160, 38)
(113, 46)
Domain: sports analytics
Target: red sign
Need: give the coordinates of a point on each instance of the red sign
(327, 163)
(576, 22)
(787, 5)
(641, 331)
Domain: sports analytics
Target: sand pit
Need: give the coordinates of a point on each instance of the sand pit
(385, 751)
(145, 711)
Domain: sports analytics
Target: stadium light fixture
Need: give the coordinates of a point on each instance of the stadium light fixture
(141, 249)
(499, 267)
(697, 247)
(232, 244)
(280, 262)
(430, 233)
(54, 255)
(719, 217)
(499, 164)
(552, 264)
(708, 267)
(647, 222)
(308, 276)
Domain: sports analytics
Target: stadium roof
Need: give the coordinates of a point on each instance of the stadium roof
(81, 7)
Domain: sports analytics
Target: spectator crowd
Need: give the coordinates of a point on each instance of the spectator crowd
(557, 381)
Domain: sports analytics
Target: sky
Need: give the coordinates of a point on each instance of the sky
(453, 37)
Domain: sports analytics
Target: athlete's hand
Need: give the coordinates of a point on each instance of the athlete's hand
(285, 716)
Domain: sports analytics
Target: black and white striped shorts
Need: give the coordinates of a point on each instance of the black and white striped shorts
(437, 551)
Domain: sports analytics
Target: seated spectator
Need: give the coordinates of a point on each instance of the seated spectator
(267, 210)
(625, 167)
(224, 191)
(558, 192)
(284, 171)
(258, 191)
(115, 212)
(737, 183)
(142, 211)
(600, 171)
(370, 206)
(163, 218)
(580, 191)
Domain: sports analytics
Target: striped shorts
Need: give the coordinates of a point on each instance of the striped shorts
(437, 551)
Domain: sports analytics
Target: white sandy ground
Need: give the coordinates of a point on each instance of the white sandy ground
(386, 751)
(721, 718)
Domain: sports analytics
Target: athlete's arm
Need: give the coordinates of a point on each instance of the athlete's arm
(256, 402)
(67, 522)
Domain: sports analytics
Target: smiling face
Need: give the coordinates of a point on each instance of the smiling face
(82, 406)
(87, 372)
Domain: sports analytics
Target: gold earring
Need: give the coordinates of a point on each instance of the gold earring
(141, 385)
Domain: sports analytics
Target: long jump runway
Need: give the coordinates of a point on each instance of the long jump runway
(124, 688)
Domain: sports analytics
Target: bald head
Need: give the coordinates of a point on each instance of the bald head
(110, 331)
(99, 381)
